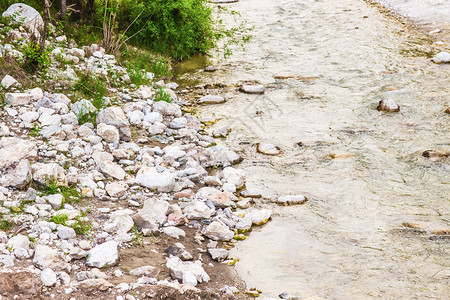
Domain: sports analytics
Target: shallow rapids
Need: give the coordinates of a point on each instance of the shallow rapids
(362, 170)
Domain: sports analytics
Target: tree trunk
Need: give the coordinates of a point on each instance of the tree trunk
(46, 20)
(63, 9)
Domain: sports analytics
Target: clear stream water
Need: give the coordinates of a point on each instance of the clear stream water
(348, 241)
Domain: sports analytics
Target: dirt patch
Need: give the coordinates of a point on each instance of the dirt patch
(10, 66)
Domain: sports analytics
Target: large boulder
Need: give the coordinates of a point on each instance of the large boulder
(218, 232)
(25, 15)
(46, 257)
(115, 116)
(13, 149)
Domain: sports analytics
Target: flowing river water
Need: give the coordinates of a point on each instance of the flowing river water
(377, 213)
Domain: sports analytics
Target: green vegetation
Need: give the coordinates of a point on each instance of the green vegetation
(5, 225)
(161, 95)
(91, 87)
(70, 193)
(82, 226)
(34, 131)
(35, 60)
(59, 218)
(137, 236)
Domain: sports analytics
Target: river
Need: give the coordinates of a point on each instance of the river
(377, 212)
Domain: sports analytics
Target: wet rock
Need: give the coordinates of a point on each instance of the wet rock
(252, 89)
(119, 222)
(291, 199)
(150, 178)
(259, 216)
(17, 175)
(210, 69)
(218, 254)
(116, 117)
(178, 268)
(108, 133)
(48, 277)
(116, 189)
(218, 232)
(268, 149)
(388, 105)
(211, 99)
(441, 58)
(112, 169)
(46, 173)
(234, 176)
(8, 81)
(436, 155)
(102, 255)
(174, 232)
(15, 99)
(152, 215)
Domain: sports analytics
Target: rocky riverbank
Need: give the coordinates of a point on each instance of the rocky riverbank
(137, 202)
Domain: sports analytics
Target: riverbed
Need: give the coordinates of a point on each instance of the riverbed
(378, 212)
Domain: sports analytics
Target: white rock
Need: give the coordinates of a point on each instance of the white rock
(55, 200)
(116, 189)
(37, 93)
(112, 169)
(189, 278)
(8, 81)
(82, 107)
(145, 92)
(144, 270)
(150, 178)
(44, 173)
(268, 149)
(442, 57)
(19, 241)
(102, 255)
(153, 214)
(153, 117)
(66, 233)
(119, 222)
(234, 176)
(211, 99)
(198, 210)
(46, 257)
(177, 268)
(14, 149)
(135, 117)
(48, 277)
(109, 133)
(218, 232)
(218, 254)
(291, 199)
(388, 105)
(15, 99)
(26, 15)
(17, 175)
(115, 116)
(167, 109)
(30, 116)
(174, 232)
(252, 89)
(259, 216)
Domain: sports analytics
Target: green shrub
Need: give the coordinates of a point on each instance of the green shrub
(59, 218)
(5, 225)
(161, 95)
(91, 87)
(33, 59)
(177, 27)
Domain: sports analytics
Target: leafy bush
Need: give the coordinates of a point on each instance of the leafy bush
(177, 27)
(34, 59)
(161, 95)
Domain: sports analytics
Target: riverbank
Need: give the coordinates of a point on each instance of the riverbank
(377, 201)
